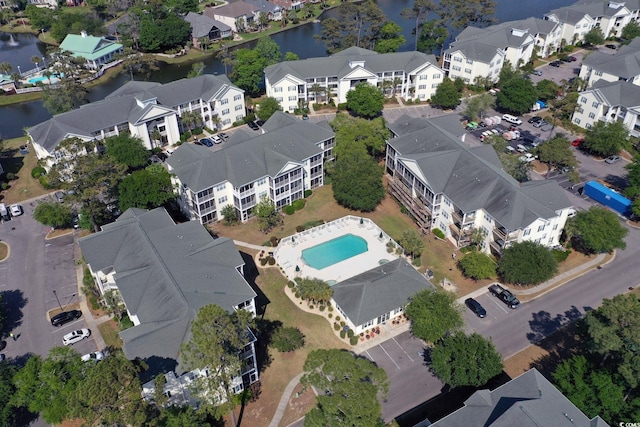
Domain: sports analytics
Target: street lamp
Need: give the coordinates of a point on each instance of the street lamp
(19, 71)
(57, 299)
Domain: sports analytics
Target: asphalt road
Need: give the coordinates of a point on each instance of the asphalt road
(516, 329)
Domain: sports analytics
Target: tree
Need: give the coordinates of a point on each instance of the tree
(594, 36)
(248, 69)
(447, 95)
(53, 214)
(433, 314)
(557, 152)
(461, 360)
(134, 63)
(477, 266)
(217, 339)
(591, 389)
(269, 50)
(290, 56)
(68, 94)
(418, 12)
(9, 414)
(182, 416)
(110, 393)
(191, 119)
(268, 216)
(148, 188)
(196, 70)
(5, 68)
(460, 14)
(353, 131)
(268, 106)
(287, 339)
(630, 31)
(478, 105)
(229, 214)
(127, 150)
(605, 139)
(351, 386)
(163, 32)
(263, 20)
(547, 89)
(391, 38)
(527, 263)
(314, 290)
(412, 243)
(46, 386)
(596, 230)
(90, 179)
(365, 100)
(514, 167)
(517, 95)
(433, 34)
(357, 181)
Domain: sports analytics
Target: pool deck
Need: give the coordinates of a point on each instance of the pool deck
(288, 254)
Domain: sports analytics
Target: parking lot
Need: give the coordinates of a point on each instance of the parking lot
(411, 383)
(497, 311)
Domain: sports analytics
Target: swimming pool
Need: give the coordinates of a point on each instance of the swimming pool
(35, 80)
(334, 251)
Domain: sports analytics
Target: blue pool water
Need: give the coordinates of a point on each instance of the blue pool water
(37, 79)
(334, 251)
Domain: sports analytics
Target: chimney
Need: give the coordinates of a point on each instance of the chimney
(83, 33)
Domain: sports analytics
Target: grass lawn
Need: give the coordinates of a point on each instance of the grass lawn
(20, 97)
(24, 187)
(109, 331)
(4, 251)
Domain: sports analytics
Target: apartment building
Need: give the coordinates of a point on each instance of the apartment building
(624, 65)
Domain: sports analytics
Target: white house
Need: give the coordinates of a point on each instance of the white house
(164, 273)
(624, 65)
(609, 102)
(447, 185)
(279, 164)
(141, 109)
(414, 75)
(245, 12)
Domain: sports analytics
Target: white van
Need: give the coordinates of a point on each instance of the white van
(511, 119)
(4, 213)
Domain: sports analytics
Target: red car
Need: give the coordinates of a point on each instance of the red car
(577, 142)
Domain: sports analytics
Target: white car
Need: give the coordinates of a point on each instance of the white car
(76, 336)
(96, 355)
(527, 158)
(16, 210)
(512, 119)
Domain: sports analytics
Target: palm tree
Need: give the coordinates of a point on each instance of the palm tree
(5, 68)
(216, 121)
(263, 20)
(190, 119)
(156, 136)
(36, 60)
(397, 81)
(315, 89)
(386, 85)
(15, 77)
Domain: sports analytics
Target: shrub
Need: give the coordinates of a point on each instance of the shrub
(93, 302)
(263, 261)
(342, 106)
(185, 136)
(330, 315)
(321, 307)
(298, 204)
(477, 266)
(330, 308)
(353, 340)
(38, 171)
(237, 123)
(274, 241)
(350, 333)
(287, 339)
(409, 101)
(271, 260)
(439, 233)
(44, 182)
(197, 131)
(289, 210)
(336, 326)
(560, 255)
(337, 318)
(125, 323)
(417, 262)
(307, 193)
(297, 295)
(4, 186)
(290, 284)
(343, 324)
(398, 250)
(342, 334)
(299, 229)
(311, 307)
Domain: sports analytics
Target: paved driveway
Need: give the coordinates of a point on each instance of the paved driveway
(411, 383)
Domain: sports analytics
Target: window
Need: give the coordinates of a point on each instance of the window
(221, 187)
(527, 231)
(592, 115)
(293, 98)
(457, 59)
(279, 99)
(227, 121)
(595, 104)
(487, 217)
(583, 99)
(434, 86)
(467, 70)
(421, 87)
(237, 97)
(292, 88)
(262, 181)
(436, 76)
(541, 228)
(588, 126)
(456, 68)
(238, 107)
(225, 111)
(224, 101)
(576, 121)
(277, 89)
(555, 227)
(580, 110)
(421, 96)
(469, 61)
(239, 117)
(598, 73)
(423, 77)
(222, 200)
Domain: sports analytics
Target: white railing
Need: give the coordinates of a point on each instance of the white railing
(29, 89)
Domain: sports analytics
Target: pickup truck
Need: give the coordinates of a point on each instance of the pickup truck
(504, 295)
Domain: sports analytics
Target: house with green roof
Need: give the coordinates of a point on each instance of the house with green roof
(96, 50)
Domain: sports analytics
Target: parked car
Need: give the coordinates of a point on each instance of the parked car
(260, 122)
(527, 158)
(65, 317)
(540, 124)
(76, 336)
(96, 355)
(511, 119)
(223, 135)
(535, 119)
(537, 72)
(472, 125)
(612, 159)
(59, 196)
(577, 142)
(504, 295)
(154, 159)
(555, 63)
(476, 307)
(15, 209)
(509, 149)
(4, 213)
(162, 156)
(216, 139)
(253, 125)
(207, 142)
(570, 59)
(611, 46)
(305, 117)
(521, 148)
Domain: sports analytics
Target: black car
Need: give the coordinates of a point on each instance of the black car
(162, 156)
(476, 307)
(65, 317)
(260, 122)
(611, 46)
(570, 59)
(504, 295)
(535, 119)
(253, 125)
(555, 63)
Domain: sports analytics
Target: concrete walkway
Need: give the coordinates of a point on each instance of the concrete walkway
(393, 332)
(252, 246)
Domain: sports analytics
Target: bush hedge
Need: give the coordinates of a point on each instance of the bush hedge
(307, 193)
(353, 340)
(289, 209)
(298, 204)
(342, 334)
(38, 171)
(439, 233)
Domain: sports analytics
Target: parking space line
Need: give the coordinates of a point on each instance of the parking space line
(402, 348)
(499, 305)
(385, 352)
(369, 355)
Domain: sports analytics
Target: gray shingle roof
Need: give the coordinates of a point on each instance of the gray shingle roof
(201, 25)
(338, 64)
(233, 10)
(478, 51)
(121, 107)
(472, 177)
(165, 272)
(617, 93)
(248, 160)
(529, 400)
(625, 63)
(568, 14)
(379, 290)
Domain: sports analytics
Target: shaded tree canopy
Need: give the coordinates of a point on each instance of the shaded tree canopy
(53, 214)
(527, 263)
(391, 38)
(148, 188)
(365, 100)
(353, 131)
(596, 230)
(433, 314)
(461, 360)
(357, 181)
(477, 266)
(517, 95)
(268, 106)
(127, 149)
(447, 95)
(605, 139)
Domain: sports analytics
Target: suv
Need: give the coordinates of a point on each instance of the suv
(511, 119)
(476, 307)
(504, 295)
(612, 159)
(65, 317)
(76, 336)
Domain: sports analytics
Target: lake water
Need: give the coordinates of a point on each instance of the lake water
(18, 49)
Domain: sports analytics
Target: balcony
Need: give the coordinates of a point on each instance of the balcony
(418, 207)
(462, 235)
